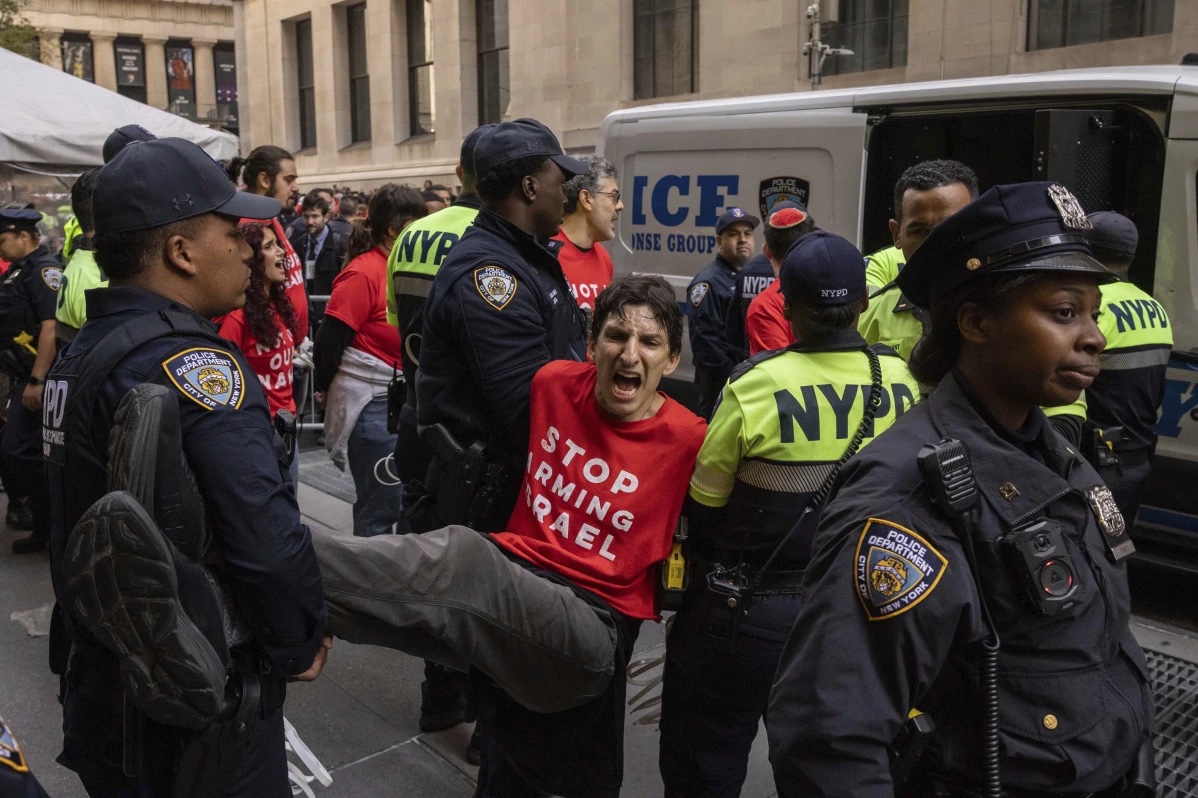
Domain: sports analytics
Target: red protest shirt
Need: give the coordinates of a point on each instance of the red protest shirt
(359, 299)
(272, 364)
(588, 271)
(765, 324)
(601, 498)
(293, 267)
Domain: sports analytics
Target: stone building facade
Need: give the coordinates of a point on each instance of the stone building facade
(172, 54)
(372, 91)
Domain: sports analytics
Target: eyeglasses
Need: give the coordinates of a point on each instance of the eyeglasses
(615, 195)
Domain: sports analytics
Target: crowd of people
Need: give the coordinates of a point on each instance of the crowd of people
(896, 528)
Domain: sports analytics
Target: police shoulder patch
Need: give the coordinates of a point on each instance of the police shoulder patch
(895, 569)
(698, 291)
(211, 378)
(52, 277)
(10, 751)
(496, 285)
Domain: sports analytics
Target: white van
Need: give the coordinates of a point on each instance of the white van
(1123, 139)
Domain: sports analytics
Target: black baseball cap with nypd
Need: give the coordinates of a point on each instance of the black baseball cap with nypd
(154, 183)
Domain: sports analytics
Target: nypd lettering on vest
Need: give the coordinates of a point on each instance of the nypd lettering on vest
(209, 377)
(895, 569)
(496, 285)
(54, 407)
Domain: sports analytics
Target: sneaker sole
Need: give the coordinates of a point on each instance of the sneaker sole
(121, 587)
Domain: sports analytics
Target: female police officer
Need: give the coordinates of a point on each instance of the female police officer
(993, 598)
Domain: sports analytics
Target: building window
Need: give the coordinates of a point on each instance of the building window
(421, 106)
(130, 68)
(306, 83)
(224, 61)
(1061, 23)
(181, 78)
(78, 57)
(876, 32)
(359, 77)
(494, 86)
(665, 40)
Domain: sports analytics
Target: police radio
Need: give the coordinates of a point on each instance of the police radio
(1038, 552)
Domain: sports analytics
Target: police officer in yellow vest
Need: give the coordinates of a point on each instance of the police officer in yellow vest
(882, 267)
(411, 267)
(783, 424)
(1120, 436)
(925, 195)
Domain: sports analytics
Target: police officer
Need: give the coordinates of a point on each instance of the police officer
(754, 277)
(411, 266)
(925, 195)
(710, 297)
(932, 576)
(28, 294)
(1125, 399)
(498, 309)
(783, 422)
(16, 779)
(168, 693)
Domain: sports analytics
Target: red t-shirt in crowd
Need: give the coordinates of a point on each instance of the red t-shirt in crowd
(601, 498)
(588, 271)
(359, 299)
(765, 326)
(271, 364)
(293, 267)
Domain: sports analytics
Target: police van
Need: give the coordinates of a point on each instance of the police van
(1123, 139)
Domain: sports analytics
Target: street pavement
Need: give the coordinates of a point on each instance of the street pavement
(359, 718)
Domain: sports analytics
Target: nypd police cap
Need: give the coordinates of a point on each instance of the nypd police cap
(822, 270)
(521, 138)
(155, 183)
(122, 137)
(734, 216)
(17, 220)
(1023, 227)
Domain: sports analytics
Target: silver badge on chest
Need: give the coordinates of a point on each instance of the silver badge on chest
(1110, 522)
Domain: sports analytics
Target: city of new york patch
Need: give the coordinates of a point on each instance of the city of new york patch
(895, 569)
(209, 377)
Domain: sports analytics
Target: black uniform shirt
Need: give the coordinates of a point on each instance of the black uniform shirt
(29, 295)
(265, 550)
(754, 277)
(891, 622)
(499, 309)
(710, 299)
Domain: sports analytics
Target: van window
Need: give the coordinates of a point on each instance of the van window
(1111, 155)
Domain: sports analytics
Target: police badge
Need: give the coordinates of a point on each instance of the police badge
(1111, 523)
(52, 277)
(698, 291)
(782, 189)
(1072, 213)
(496, 285)
(209, 377)
(895, 569)
(10, 751)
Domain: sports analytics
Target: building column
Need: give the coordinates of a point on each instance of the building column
(50, 44)
(104, 60)
(155, 71)
(205, 68)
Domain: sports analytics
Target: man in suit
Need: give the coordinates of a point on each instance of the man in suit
(321, 249)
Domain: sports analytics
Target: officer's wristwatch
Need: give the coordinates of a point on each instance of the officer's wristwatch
(36, 381)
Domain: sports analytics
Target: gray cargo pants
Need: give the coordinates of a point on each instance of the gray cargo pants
(451, 596)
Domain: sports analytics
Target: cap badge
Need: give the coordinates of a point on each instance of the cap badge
(973, 264)
(180, 204)
(1070, 209)
(736, 212)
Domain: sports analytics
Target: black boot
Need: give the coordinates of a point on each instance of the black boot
(28, 545)
(19, 515)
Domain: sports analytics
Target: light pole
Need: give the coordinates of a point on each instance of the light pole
(815, 50)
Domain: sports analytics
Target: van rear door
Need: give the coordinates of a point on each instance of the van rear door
(678, 173)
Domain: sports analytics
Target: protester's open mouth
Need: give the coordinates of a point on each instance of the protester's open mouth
(626, 384)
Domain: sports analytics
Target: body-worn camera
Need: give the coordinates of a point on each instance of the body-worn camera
(728, 596)
(1038, 551)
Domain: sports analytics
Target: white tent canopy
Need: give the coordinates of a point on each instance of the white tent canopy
(51, 117)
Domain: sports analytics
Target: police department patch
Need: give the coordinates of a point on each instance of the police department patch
(10, 751)
(895, 568)
(781, 189)
(52, 276)
(209, 377)
(496, 285)
(698, 291)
